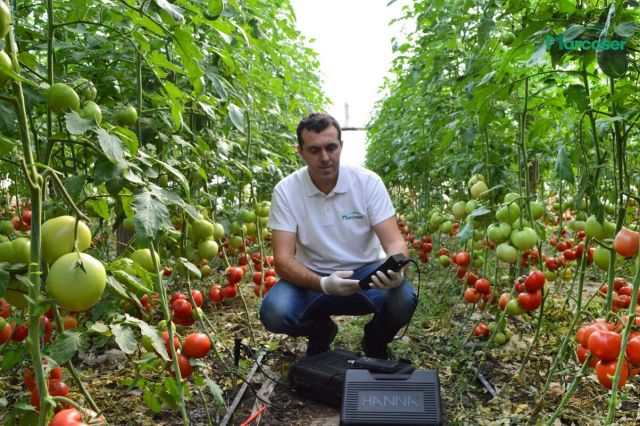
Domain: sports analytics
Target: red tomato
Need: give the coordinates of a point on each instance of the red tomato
(29, 379)
(182, 308)
(520, 287)
(443, 251)
(483, 286)
(606, 370)
(58, 388)
(176, 341)
(175, 296)
(270, 272)
(230, 291)
(26, 217)
(215, 295)
(56, 373)
(196, 345)
(20, 332)
(426, 239)
(530, 301)
(197, 297)
(270, 282)
(481, 330)
(5, 308)
(570, 254)
(583, 353)
(472, 278)
(234, 274)
(462, 259)
(605, 344)
(535, 281)
(67, 417)
(257, 277)
(562, 246)
(5, 333)
(633, 350)
(461, 272)
(427, 247)
(185, 367)
(167, 271)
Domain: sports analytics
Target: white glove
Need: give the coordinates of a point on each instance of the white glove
(386, 282)
(336, 284)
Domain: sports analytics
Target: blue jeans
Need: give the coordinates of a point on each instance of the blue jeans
(293, 310)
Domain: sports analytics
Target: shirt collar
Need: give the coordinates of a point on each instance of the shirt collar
(312, 190)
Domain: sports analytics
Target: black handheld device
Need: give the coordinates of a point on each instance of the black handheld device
(395, 263)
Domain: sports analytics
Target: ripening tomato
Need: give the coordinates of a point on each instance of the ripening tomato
(627, 242)
(503, 300)
(471, 295)
(481, 330)
(196, 345)
(462, 259)
(176, 341)
(5, 308)
(20, 333)
(5, 333)
(67, 417)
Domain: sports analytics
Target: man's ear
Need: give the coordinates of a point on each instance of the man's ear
(299, 149)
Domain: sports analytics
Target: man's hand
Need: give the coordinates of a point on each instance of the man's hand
(337, 284)
(386, 282)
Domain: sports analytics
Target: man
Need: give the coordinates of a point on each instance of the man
(329, 225)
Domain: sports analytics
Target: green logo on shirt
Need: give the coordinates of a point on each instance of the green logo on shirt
(352, 216)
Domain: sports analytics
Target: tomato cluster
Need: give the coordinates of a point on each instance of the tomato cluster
(622, 293)
(55, 384)
(183, 309)
(603, 341)
(195, 345)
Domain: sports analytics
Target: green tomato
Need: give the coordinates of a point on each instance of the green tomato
(207, 249)
(510, 197)
(537, 209)
(218, 231)
(76, 287)
(201, 230)
(499, 233)
(262, 209)
(602, 258)
(62, 97)
(459, 209)
(524, 239)
(91, 111)
(235, 241)
(6, 61)
(6, 227)
(475, 179)
(20, 250)
(5, 25)
(127, 116)
(57, 237)
(16, 292)
(143, 258)
(247, 216)
(470, 206)
(506, 253)
(479, 189)
(129, 224)
(513, 308)
(500, 338)
(446, 227)
(507, 38)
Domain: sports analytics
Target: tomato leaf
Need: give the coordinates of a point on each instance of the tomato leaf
(237, 117)
(625, 29)
(65, 346)
(563, 165)
(151, 401)
(112, 146)
(124, 338)
(4, 278)
(152, 333)
(174, 11)
(151, 215)
(6, 145)
(74, 185)
(215, 391)
(77, 125)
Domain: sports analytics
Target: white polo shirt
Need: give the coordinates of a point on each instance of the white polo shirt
(333, 231)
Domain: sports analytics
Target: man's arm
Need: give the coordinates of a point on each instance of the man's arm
(287, 267)
(390, 237)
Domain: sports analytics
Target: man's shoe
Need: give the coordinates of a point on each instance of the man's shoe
(375, 350)
(319, 342)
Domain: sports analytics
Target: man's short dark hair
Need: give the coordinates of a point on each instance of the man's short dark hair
(317, 122)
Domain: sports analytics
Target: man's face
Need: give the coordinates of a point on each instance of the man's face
(321, 151)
